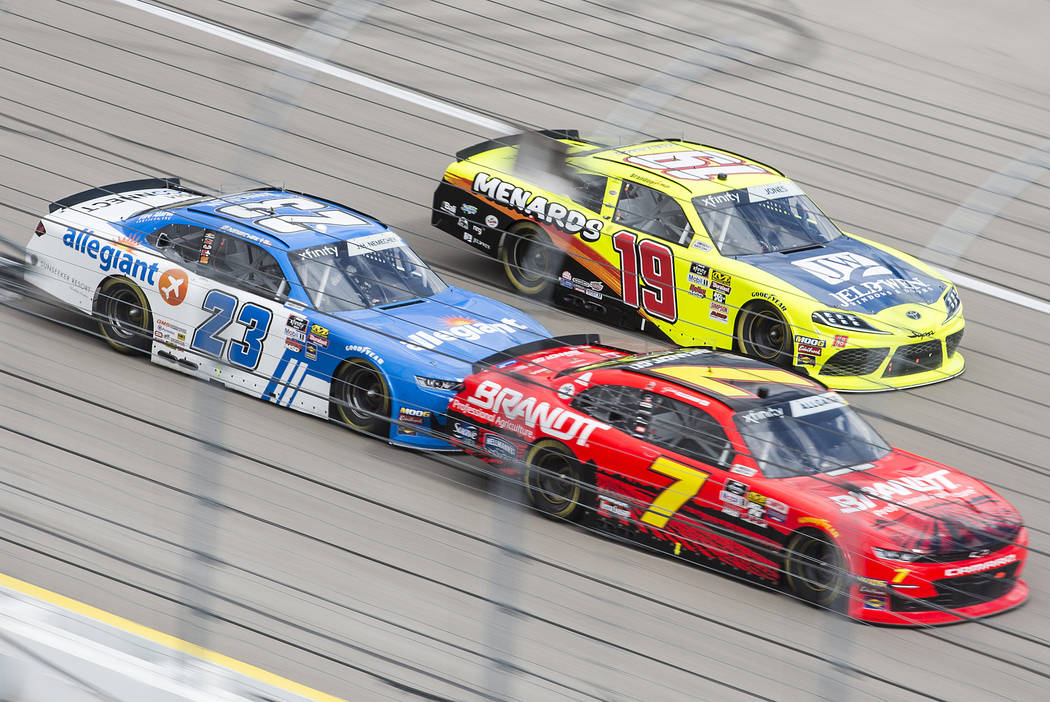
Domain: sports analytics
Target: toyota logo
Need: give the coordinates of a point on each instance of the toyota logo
(912, 314)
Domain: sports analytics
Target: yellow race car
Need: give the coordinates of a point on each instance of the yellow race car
(702, 247)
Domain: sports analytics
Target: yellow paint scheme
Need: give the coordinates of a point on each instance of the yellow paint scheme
(697, 324)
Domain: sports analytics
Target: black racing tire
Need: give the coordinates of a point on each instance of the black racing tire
(530, 259)
(557, 484)
(124, 316)
(360, 397)
(815, 570)
(763, 333)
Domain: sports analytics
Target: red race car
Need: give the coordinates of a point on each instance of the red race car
(721, 458)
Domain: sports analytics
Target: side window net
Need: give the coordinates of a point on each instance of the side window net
(652, 212)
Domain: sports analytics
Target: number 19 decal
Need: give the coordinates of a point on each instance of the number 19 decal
(255, 320)
(687, 482)
(647, 267)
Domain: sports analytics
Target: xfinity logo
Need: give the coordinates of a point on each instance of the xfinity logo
(838, 268)
(722, 199)
(761, 415)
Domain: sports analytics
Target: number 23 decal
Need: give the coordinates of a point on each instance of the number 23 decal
(647, 268)
(255, 320)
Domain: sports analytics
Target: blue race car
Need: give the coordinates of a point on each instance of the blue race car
(292, 298)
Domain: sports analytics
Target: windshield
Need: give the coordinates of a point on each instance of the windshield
(809, 435)
(372, 270)
(763, 219)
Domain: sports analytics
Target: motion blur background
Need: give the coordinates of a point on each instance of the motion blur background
(374, 573)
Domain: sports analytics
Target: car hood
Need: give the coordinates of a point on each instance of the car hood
(914, 504)
(454, 324)
(851, 275)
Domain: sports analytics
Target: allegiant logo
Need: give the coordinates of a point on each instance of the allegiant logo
(110, 257)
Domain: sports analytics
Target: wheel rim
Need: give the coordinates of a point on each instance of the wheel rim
(556, 478)
(125, 313)
(531, 260)
(767, 335)
(363, 395)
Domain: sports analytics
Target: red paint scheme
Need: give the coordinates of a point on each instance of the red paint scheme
(746, 528)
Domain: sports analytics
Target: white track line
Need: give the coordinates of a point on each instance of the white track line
(324, 67)
(474, 118)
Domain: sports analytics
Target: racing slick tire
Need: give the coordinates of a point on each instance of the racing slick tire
(763, 333)
(124, 316)
(530, 259)
(557, 484)
(815, 570)
(360, 397)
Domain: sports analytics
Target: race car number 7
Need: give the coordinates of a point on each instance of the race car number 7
(647, 271)
(687, 482)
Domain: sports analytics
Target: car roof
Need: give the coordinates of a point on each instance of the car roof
(680, 168)
(205, 213)
(741, 383)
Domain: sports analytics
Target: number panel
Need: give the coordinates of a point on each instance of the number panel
(255, 320)
(647, 277)
(205, 337)
(686, 485)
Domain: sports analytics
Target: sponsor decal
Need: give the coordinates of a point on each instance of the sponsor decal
(699, 269)
(806, 360)
(169, 334)
(365, 351)
(880, 602)
(173, 284)
(510, 409)
(297, 323)
(491, 221)
(700, 244)
(838, 268)
(109, 256)
(467, 433)
(468, 209)
(410, 415)
(980, 567)
(809, 341)
(920, 335)
(697, 290)
(771, 298)
(448, 207)
(811, 350)
(912, 314)
(820, 522)
(206, 246)
(719, 312)
(718, 297)
(721, 282)
(840, 341)
(321, 341)
(870, 584)
(743, 470)
(609, 506)
(695, 164)
(499, 446)
(757, 416)
(537, 207)
(776, 511)
(311, 352)
(124, 197)
(816, 403)
(462, 328)
(318, 330)
(295, 335)
(891, 490)
(863, 293)
(293, 345)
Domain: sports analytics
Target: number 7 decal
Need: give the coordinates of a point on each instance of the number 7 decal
(687, 482)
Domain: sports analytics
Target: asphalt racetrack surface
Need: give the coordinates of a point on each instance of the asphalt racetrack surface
(375, 573)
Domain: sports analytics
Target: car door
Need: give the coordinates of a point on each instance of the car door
(651, 235)
(228, 310)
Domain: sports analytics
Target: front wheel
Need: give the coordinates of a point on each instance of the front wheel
(815, 571)
(530, 259)
(361, 398)
(124, 316)
(764, 334)
(556, 482)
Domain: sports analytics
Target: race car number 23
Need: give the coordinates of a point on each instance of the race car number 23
(255, 320)
(647, 275)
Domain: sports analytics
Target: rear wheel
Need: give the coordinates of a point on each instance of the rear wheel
(556, 482)
(361, 398)
(124, 316)
(764, 334)
(530, 259)
(815, 571)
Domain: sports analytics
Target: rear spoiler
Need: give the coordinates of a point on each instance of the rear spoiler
(534, 346)
(171, 183)
(514, 140)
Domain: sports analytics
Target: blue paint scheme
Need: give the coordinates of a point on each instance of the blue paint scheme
(840, 285)
(452, 329)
